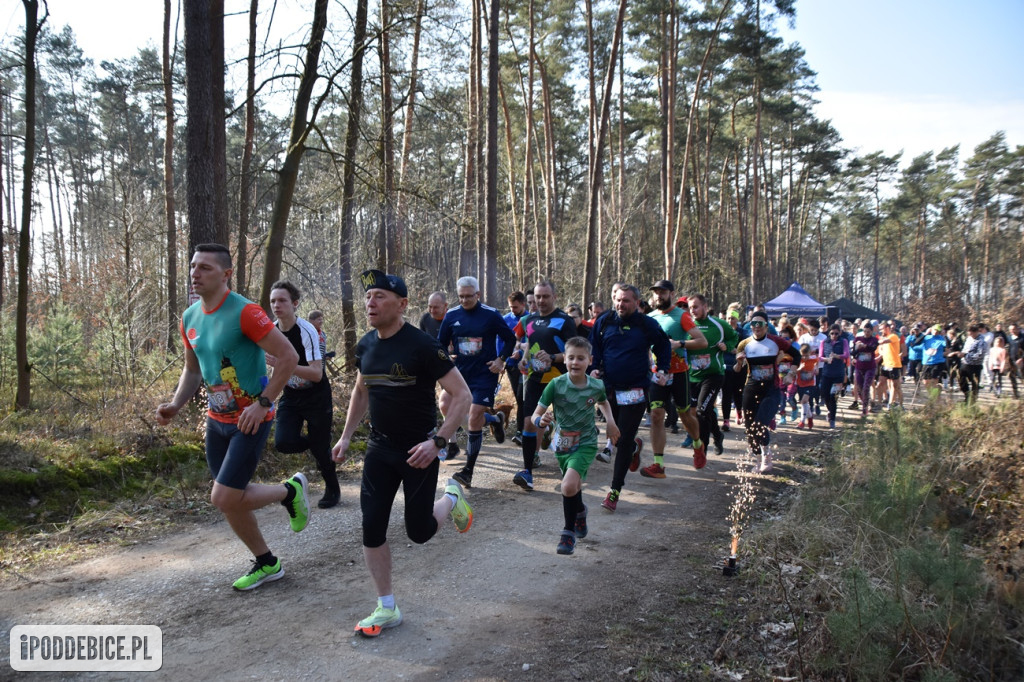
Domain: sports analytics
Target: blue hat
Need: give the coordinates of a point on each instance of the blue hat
(375, 279)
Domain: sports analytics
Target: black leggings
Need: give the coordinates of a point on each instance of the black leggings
(384, 469)
(970, 376)
(627, 418)
(827, 383)
(315, 411)
(732, 393)
(702, 397)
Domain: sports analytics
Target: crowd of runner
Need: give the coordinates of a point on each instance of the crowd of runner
(651, 355)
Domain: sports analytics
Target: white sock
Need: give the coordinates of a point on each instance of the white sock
(387, 601)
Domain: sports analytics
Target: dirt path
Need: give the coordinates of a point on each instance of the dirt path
(495, 604)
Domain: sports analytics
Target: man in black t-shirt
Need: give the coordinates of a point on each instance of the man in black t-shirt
(399, 367)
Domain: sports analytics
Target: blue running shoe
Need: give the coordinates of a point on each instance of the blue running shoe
(688, 442)
(524, 479)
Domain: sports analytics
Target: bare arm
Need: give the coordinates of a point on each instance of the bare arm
(188, 384)
(357, 404)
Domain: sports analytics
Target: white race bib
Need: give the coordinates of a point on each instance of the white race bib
(632, 396)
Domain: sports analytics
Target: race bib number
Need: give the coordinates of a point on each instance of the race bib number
(699, 362)
(538, 365)
(567, 441)
(784, 367)
(761, 372)
(632, 396)
(221, 399)
(806, 376)
(298, 382)
(865, 357)
(470, 345)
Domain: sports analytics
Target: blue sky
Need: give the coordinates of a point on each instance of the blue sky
(916, 75)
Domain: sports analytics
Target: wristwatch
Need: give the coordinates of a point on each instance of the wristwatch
(264, 401)
(441, 442)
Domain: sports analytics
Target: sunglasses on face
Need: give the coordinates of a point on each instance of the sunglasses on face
(758, 324)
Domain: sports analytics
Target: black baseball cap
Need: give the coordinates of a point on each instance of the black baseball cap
(375, 279)
(663, 284)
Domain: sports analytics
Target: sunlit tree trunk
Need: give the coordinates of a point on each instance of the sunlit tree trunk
(490, 252)
(246, 176)
(403, 177)
(348, 185)
(32, 28)
(590, 265)
(288, 175)
(170, 227)
(389, 256)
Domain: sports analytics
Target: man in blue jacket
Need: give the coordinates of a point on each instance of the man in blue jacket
(472, 330)
(621, 339)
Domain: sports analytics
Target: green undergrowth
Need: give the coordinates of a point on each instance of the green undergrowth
(77, 475)
(899, 561)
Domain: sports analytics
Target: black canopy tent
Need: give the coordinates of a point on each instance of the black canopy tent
(851, 311)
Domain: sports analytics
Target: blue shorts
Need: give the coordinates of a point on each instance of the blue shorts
(484, 391)
(232, 455)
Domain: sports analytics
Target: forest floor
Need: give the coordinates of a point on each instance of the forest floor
(643, 597)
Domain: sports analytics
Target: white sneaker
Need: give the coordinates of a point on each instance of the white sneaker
(766, 463)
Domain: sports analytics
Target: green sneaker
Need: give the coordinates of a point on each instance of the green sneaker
(378, 620)
(462, 515)
(298, 508)
(259, 575)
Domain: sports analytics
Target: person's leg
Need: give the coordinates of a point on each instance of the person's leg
(658, 436)
(475, 436)
(423, 514)
(232, 493)
(318, 416)
(571, 488)
(531, 397)
(896, 390)
(628, 420)
(381, 479)
(288, 438)
(707, 394)
(831, 406)
(515, 378)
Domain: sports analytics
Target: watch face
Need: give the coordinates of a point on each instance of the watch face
(440, 442)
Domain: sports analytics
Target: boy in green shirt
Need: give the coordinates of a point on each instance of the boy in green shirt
(573, 397)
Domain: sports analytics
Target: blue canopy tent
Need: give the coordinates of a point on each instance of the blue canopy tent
(796, 302)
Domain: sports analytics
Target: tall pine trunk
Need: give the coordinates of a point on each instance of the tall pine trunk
(32, 27)
(169, 219)
(349, 186)
(288, 175)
